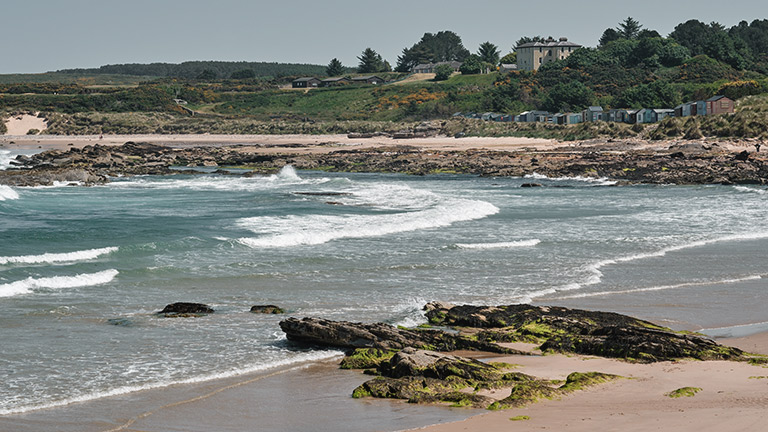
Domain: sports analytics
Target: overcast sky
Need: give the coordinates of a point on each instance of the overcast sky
(46, 35)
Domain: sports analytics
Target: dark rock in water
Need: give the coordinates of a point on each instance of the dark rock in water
(561, 329)
(379, 335)
(121, 322)
(186, 309)
(267, 309)
(323, 193)
(531, 185)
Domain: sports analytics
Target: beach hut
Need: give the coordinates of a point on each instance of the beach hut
(592, 114)
(661, 114)
(701, 108)
(719, 105)
(686, 109)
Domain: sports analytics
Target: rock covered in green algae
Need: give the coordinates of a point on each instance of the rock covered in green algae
(366, 358)
(429, 377)
(346, 334)
(560, 329)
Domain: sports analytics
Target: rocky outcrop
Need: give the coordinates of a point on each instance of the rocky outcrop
(689, 164)
(561, 329)
(51, 176)
(429, 377)
(345, 334)
(183, 309)
(267, 309)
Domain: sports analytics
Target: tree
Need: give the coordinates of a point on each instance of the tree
(207, 75)
(432, 48)
(629, 28)
(472, 65)
(335, 68)
(510, 58)
(527, 39)
(243, 74)
(443, 72)
(568, 96)
(370, 62)
(609, 35)
(489, 53)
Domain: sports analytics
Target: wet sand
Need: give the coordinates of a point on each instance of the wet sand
(314, 397)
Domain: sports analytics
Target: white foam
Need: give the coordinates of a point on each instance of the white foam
(83, 255)
(57, 282)
(595, 276)
(5, 159)
(294, 230)
(501, 245)
(301, 358)
(286, 177)
(602, 181)
(750, 190)
(7, 193)
(661, 288)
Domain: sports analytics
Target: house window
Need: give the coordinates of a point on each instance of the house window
(540, 59)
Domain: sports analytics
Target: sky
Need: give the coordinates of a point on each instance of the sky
(47, 35)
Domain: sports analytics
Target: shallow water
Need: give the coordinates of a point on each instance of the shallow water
(82, 270)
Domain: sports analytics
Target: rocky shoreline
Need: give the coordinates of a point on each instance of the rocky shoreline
(676, 164)
(411, 364)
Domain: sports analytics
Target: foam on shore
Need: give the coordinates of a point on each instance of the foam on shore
(500, 245)
(7, 193)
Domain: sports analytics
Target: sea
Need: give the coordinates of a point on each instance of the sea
(84, 270)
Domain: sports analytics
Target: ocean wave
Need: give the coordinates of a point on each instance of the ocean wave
(501, 245)
(750, 190)
(289, 231)
(660, 288)
(7, 193)
(301, 358)
(602, 181)
(286, 177)
(26, 286)
(595, 276)
(5, 159)
(83, 255)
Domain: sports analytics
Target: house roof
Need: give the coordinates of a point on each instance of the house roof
(595, 108)
(366, 78)
(305, 79)
(336, 79)
(663, 110)
(716, 98)
(563, 42)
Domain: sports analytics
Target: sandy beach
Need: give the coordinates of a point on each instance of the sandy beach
(733, 397)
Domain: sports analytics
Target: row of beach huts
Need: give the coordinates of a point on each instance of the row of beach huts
(714, 105)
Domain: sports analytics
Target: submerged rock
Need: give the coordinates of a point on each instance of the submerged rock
(267, 309)
(185, 309)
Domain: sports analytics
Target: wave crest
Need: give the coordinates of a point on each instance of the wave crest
(318, 229)
(501, 245)
(7, 193)
(83, 255)
(57, 282)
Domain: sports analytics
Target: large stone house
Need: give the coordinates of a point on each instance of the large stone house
(530, 56)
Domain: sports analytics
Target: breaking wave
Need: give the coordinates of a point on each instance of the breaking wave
(7, 193)
(83, 255)
(596, 181)
(501, 245)
(294, 230)
(595, 276)
(26, 286)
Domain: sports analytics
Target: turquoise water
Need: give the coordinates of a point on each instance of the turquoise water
(83, 269)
